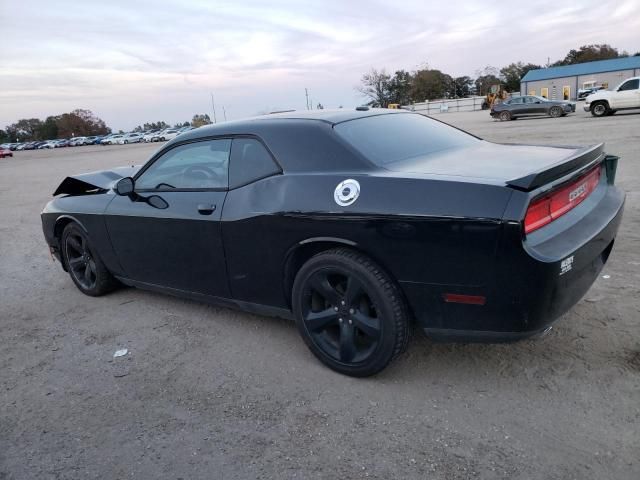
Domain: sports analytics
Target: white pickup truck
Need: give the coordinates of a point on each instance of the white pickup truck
(607, 102)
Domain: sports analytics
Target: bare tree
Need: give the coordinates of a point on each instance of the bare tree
(375, 86)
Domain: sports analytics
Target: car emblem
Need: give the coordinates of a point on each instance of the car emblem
(346, 192)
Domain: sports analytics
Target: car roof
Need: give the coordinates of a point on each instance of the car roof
(250, 125)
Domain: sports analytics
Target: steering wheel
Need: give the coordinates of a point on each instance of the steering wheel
(198, 172)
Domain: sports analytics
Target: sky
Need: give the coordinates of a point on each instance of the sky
(132, 61)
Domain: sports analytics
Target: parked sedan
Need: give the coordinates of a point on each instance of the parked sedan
(5, 152)
(130, 138)
(111, 140)
(77, 141)
(165, 135)
(48, 144)
(367, 221)
(530, 105)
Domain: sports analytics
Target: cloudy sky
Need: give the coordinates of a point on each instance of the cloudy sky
(134, 61)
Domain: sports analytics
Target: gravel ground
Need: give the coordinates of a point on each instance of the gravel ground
(212, 393)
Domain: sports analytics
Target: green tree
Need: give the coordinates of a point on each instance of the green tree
(49, 128)
(199, 120)
(462, 86)
(431, 84)
(4, 136)
(399, 88)
(375, 86)
(513, 73)
(589, 53)
(26, 129)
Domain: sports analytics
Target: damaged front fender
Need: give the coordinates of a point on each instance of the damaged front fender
(94, 182)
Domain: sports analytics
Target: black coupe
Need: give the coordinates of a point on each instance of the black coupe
(353, 223)
(530, 105)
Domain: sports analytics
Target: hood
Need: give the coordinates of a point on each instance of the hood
(94, 181)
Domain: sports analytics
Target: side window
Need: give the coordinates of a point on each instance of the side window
(517, 101)
(193, 165)
(250, 161)
(630, 85)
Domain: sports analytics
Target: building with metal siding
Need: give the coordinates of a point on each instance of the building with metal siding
(558, 83)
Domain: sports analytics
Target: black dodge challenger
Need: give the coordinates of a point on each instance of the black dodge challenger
(353, 223)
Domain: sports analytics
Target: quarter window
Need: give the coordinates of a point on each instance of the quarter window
(193, 165)
(250, 161)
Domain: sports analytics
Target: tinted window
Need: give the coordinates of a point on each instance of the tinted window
(194, 165)
(630, 85)
(389, 138)
(250, 161)
(517, 101)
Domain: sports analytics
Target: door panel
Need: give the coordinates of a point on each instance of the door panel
(179, 246)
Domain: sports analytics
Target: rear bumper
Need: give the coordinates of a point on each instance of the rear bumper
(533, 284)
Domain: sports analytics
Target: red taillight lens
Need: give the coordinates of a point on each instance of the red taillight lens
(547, 209)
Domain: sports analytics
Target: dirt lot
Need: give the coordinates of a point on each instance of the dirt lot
(213, 393)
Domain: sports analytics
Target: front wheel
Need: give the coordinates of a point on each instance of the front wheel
(504, 116)
(350, 313)
(85, 267)
(599, 109)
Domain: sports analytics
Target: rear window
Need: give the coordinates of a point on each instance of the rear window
(390, 138)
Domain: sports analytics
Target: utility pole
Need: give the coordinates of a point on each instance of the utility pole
(306, 94)
(213, 106)
(224, 112)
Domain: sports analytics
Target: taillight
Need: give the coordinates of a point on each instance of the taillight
(550, 207)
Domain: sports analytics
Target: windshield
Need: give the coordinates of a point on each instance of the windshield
(385, 139)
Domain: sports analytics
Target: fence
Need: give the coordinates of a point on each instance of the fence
(468, 104)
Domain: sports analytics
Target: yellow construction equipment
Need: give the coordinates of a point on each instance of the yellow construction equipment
(496, 93)
(393, 105)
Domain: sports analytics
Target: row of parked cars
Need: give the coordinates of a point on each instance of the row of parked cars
(111, 139)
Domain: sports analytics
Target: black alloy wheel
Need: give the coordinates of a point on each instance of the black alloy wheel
(85, 268)
(349, 312)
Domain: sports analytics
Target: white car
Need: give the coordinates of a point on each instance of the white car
(77, 141)
(165, 135)
(148, 136)
(130, 138)
(607, 102)
(112, 140)
(49, 144)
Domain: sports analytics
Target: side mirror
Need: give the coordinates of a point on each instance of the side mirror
(124, 186)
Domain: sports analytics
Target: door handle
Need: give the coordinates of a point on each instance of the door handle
(205, 209)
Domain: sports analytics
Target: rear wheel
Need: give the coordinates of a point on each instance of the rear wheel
(599, 109)
(504, 116)
(349, 312)
(85, 267)
(555, 112)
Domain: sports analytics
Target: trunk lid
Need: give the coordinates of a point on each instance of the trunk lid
(523, 167)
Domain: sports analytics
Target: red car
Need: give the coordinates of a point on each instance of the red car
(5, 152)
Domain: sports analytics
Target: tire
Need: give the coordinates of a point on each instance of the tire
(555, 112)
(599, 109)
(504, 116)
(349, 312)
(126, 141)
(85, 267)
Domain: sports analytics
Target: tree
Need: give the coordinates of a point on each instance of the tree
(431, 84)
(485, 79)
(588, 53)
(49, 128)
(80, 123)
(399, 88)
(200, 120)
(25, 129)
(4, 136)
(462, 86)
(513, 73)
(375, 86)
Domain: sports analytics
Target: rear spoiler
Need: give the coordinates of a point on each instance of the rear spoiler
(582, 157)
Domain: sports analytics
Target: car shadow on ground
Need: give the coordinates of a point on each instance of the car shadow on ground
(542, 361)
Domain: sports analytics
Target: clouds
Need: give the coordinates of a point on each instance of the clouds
(136, 61)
